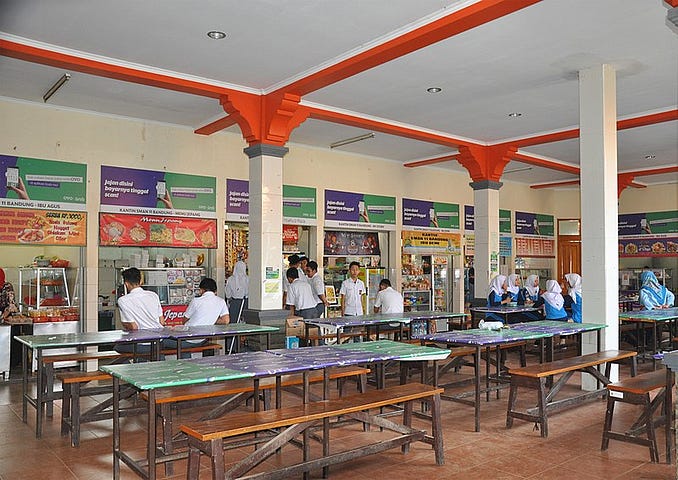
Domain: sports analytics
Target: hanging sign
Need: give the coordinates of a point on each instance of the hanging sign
(42, 184)
(359, 210)
(156, 231)
(534, 224)
(431, 243)
(299, 203)
(128, 190)
(338, 243)
(504, 219)
(535, 247)
(505, 245)
(42, 227)
(290, 235)
(469, 218)
(420, 215)
(469, 244)
(652, 234)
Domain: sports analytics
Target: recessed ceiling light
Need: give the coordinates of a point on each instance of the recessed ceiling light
(434, 90)
(515, 114)
(216, 35)
(650, 157)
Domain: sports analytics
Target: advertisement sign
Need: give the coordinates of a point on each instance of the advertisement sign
(290, 235)
(431, 243)
(155, 231)
(651, 224)
(419, 215)
(534, 224)
(128, 190)
(42, 227)
(469, 244)
(504, 219)
(535, 247)
(42, 184)
(351, 243)
(358, 210)
(174, 314)
(505, 245)
(648, 247)
(299, 203)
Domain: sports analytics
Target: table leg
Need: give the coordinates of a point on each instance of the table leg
(152, 435)
(268, 341)
(24, 383)
(487, 373)
(477, 396)
(668, 413)
(116, 428)
(40, 394)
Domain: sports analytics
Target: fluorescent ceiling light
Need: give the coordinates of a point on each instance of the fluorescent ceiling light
(348, 141)
(53, 89)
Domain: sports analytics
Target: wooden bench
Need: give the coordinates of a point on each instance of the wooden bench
(535, 377)
(208, 436)
(636, 391)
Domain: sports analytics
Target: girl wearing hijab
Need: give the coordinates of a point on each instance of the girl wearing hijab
(497, 297)
(573, 298)
(553, 302)
(532, 288)
(653, 295)
(515, 290)
(237, 290)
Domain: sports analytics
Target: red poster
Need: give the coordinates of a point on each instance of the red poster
(290, 234)
(42, 227)
(155, 231)
(174, 314)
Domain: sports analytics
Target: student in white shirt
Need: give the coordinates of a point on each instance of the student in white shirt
(388, 300)
(139, 309)
(300, 296)
(207, 309)
(294, 261)
(352, 291)
(317, 285)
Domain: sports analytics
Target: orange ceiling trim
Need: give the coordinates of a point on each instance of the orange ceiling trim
(673, 3)
(457, 22)
(652, 171)
(431, 161)
(650, 119)
(216, 126)
(93, 67)
(485, 163)
(540, 162)
(564, 183)
(383, 127)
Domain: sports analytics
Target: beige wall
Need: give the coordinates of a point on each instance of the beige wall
(47, 132)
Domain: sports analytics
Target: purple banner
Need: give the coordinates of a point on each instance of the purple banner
(237, 197)
(416, 213)
(130, 187)
(343, 206)
(526, 224)
(469, 219)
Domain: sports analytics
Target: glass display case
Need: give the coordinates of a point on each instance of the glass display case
(416, 282)
(174, 286)
(442, 283)
(629, 280)
(41, 287)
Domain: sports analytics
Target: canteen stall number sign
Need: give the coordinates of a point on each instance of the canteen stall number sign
(42, 184)
(299, 203)
(652, 234)
(359, 210)
(42, 227)
(155, 231)
(420, 215)
(128, 190)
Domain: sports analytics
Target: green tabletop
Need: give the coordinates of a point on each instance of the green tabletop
(171, 373)
(401, 351)
(656, 315)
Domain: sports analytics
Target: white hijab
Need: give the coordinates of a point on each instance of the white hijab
(574, 282)
(237, 285)
(497, 285)
(532, 285)
(511, 284)
(552, 295)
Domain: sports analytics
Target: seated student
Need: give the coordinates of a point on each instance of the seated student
(300, 296)
(515, 290)
(531, 289)
(652, 294)
(388, 300)
(553, 302)
(207, 309)
(521, 296)
(497, 297)
(573, 297)
(139, 309)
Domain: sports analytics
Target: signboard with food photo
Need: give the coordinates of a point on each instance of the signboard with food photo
(42, 227)
(154, 231)
(651, 234)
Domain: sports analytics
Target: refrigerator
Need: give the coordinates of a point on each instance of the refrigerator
(442, 279)
(371, 276)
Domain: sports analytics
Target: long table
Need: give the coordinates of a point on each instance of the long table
(228, 330)
(504, 311)
(554, 328)
(655, 318)
(255, 365)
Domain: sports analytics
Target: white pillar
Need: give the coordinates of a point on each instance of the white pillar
(486, 218)
(598, 159)
(265, 222)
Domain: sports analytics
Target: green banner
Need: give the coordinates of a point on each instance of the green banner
(504, 221)
(447, 215)
(299, 205)
(381, 209)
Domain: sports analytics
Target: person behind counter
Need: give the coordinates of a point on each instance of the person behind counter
(573, 297)
(8, 305)
(553, 302)
(388, 299)
(237, 290)
(652, 294)
(139, 309)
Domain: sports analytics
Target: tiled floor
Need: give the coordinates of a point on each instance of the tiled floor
(572, 450)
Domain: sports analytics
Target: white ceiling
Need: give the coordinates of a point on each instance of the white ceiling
(524, 62)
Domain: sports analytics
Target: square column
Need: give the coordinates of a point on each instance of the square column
(486, 215)
(598, 159)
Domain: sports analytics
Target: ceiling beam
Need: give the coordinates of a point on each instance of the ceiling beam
(474, 15)
(543, 162)
(65, 61)
(216, 126)
(432, 161)
(652, 171)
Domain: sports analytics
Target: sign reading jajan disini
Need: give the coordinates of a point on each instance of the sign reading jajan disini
(421, 215)
(42, 184)
(431, 243)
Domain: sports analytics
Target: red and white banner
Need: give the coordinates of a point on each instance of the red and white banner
(156, 231)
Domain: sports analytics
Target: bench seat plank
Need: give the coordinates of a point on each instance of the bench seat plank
(640, 384)
(571, 364)
(80, 356)
(258, 421)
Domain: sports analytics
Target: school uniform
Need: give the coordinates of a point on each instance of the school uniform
(353, 292)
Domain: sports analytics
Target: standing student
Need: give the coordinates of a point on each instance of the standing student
(300, 296)
(294, 260)
(553, 302)
(653, 295)
(317, 285)
(352, 291)
(388, 300)
(573, 298)
(139, 309)
(237, 290)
